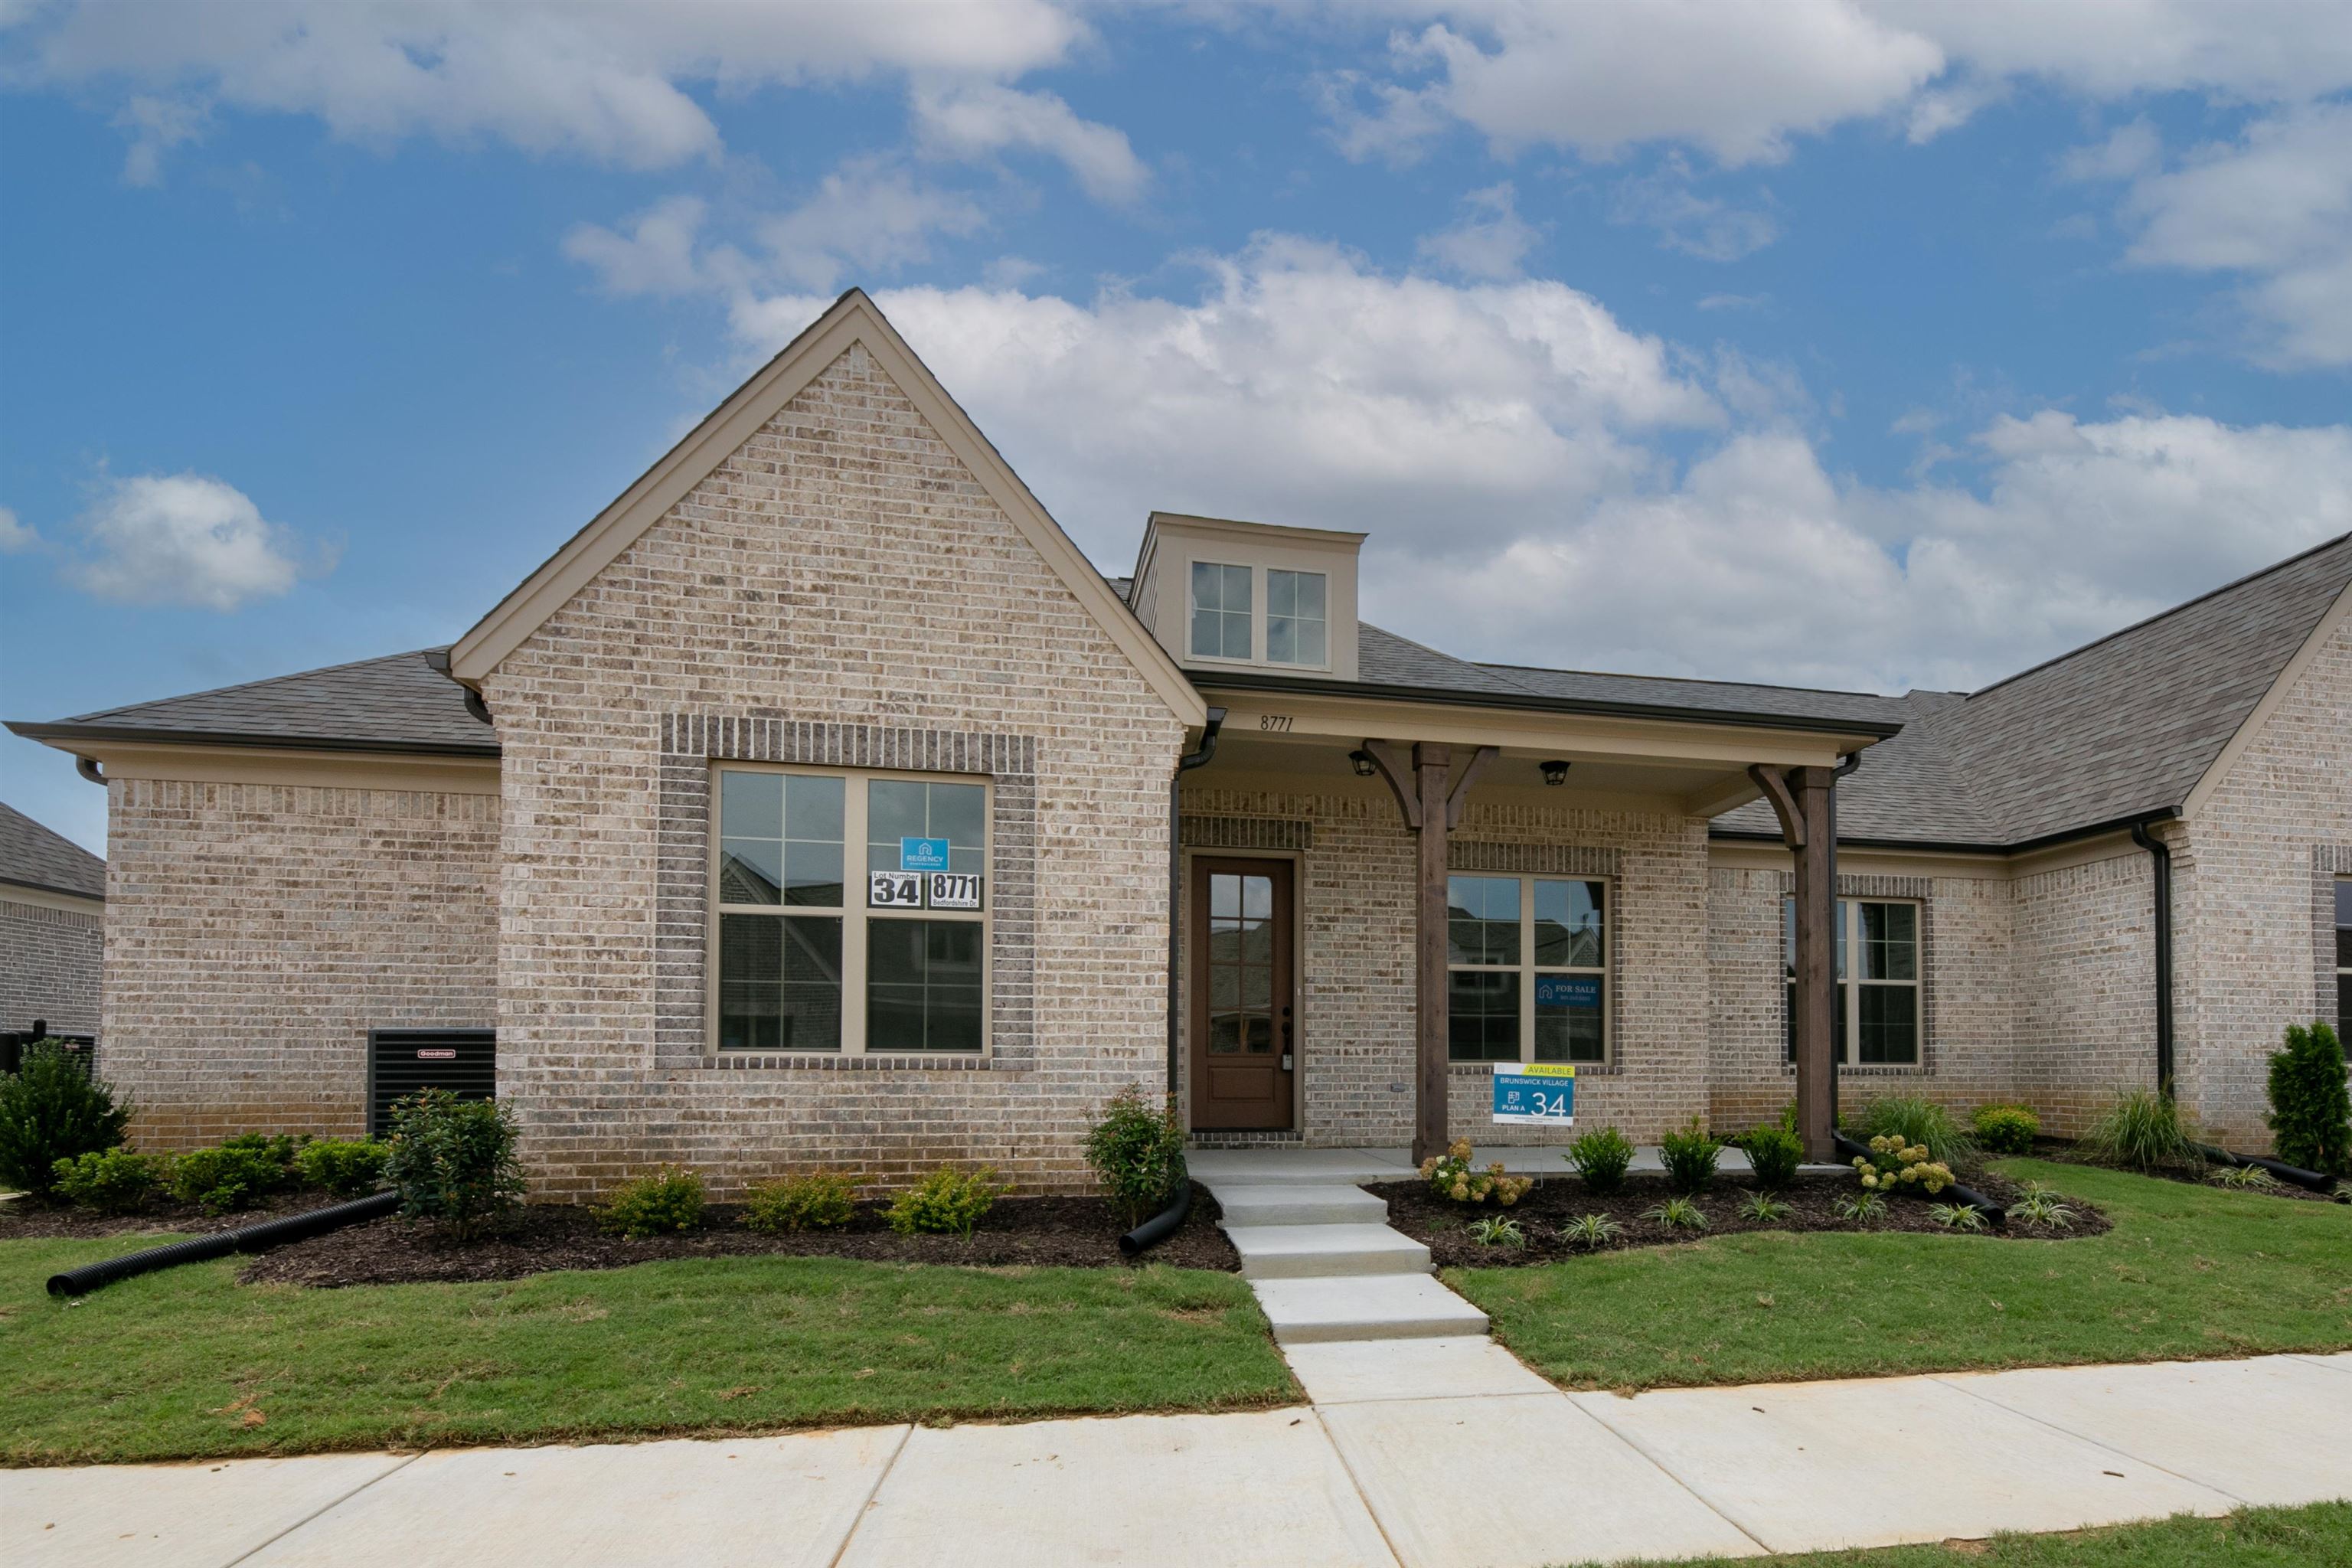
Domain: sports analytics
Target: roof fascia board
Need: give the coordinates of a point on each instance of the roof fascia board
(2023, 847)
(41, 896)
(323, 770)
(1865, 730)
(853, 319)
(86, 740)
(1235, 528)
(2273, 700)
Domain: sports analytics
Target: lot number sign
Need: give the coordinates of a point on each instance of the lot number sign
(917, 891)
(1535, 1094)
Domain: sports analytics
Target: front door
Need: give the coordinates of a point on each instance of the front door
(1243, 1034)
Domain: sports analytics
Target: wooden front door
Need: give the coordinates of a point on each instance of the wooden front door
(1244, 1034)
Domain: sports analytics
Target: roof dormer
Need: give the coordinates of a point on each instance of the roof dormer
(1249, 595)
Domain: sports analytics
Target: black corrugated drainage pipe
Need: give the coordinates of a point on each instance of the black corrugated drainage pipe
(2162, 857)
(1994, 1214)
(2315, 1180)
(1161, 1226)
(256, 1238)
(1184, 765)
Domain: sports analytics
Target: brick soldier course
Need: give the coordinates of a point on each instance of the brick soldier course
(837, 571)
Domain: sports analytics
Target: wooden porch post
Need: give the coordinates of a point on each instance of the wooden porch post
(1801, 799)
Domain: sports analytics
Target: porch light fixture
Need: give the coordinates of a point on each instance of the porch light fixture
(1362, 762)
(1555, 772)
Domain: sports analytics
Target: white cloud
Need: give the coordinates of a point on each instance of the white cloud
(1490, 242)
(1509, 448)
(656, 256)
(155, 126)
(185, 538)
(607, 83)
(14, 535)
(977, 119)
(1705, 226)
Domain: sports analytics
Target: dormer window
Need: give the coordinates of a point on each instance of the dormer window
(1296, 629)
(1221, 611)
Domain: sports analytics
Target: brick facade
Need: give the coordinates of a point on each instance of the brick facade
(52, 964)
(255, 933)
(841, 580)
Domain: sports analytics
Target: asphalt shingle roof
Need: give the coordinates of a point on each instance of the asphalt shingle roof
(31, 856)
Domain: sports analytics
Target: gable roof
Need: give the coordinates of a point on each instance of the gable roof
(2122, 729)
(398, 703)
(31, 856)
(853, 319)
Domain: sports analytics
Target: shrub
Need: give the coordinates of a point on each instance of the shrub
(1677, 1213)
(1591, 1231)
(1450, 1176)
(1497, 1230)
(2039, 1206)
(1138, 1149)
(1689, 1155)
(235, 1173)
(1918, 1121)
(1774, 1153)
(666, 1201)
(2311, 1106)
(947, 1203)
(53, 1107)
(111, 1180)
(1602, 1159)
(347, 1167)
(453, 1160)
(2234, 1176)
(1893, 1165)
(820, 1200)
(1956, 1217)
(2144, 1131)
(1763, 1208)
(1861, 1207)
(2006, 1129)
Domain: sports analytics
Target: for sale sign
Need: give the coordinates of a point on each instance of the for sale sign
(1535, 1094)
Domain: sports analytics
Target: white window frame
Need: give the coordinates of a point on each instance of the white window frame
(1847, 939)
(1255, 615)
(1526, 969)
(854, 916)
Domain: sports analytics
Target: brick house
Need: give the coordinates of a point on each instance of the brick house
(1200, 824)
(52, 931)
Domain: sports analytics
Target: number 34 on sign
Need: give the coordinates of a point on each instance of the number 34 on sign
(1535, 1094)
(917, 889)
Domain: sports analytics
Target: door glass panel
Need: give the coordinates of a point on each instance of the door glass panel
(1239, 963)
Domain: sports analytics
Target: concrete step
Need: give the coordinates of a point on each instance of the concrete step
(1295, 1202)
(1366, 1307)
(1217, 1169)
(1321, 1251)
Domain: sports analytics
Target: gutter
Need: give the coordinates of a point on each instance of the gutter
(1533, 702)
(2161, 856)
(69, 733)
(1184, 765)
(1958, 846)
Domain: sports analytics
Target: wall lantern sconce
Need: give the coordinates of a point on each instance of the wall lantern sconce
(1362, 762)
(1554, 771)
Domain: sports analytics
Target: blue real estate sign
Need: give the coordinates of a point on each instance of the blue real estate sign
(1535, 1094)
(922, 854)
(1567, 990)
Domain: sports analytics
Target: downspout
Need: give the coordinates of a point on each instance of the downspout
(1184, 765)
(87, 768)
(2162, 858)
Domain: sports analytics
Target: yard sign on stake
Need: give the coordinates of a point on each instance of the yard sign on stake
(1535, 1094)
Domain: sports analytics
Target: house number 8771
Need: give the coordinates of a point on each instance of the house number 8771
(1279, 723)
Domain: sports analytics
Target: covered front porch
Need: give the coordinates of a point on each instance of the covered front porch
(1378, 899)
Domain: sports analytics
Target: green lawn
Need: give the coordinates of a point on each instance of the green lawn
(2319, 1536)
(2187, 1271)
(189, 1364)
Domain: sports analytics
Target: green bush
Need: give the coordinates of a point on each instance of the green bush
(1450, 1177)
(663, 1202)
(2144, 1131)
(453, 1160)
(946, 1203)
(819, 1200)
(235, 1173)
(111, 1180)
(2311, 1108)
(1689, 1155)
(2006, 1129)
(1602, 1159)
(1914, 1120)
(1774, 1153)
(1138, 1149)
(53, 1107)
(347, 1167)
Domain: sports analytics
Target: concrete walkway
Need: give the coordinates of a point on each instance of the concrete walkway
(1416, 1453)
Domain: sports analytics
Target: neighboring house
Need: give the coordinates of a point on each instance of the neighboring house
(52, 930)
(819, 804)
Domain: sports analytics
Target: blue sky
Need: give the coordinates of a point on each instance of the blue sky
(1872, 346)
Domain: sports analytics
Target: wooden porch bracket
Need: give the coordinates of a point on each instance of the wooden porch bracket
(1396, 770)
(1784, 805)
(1461, 790)
(1801, 798)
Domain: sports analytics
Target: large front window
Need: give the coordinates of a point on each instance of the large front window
(809, 957)
(1526, 976)
(1876, 1020)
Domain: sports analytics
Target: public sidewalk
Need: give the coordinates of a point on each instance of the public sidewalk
(1413, 1454)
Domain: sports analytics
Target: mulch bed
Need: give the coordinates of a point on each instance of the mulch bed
(22, 1219)
(1079, 1233)
(1444, 1224)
